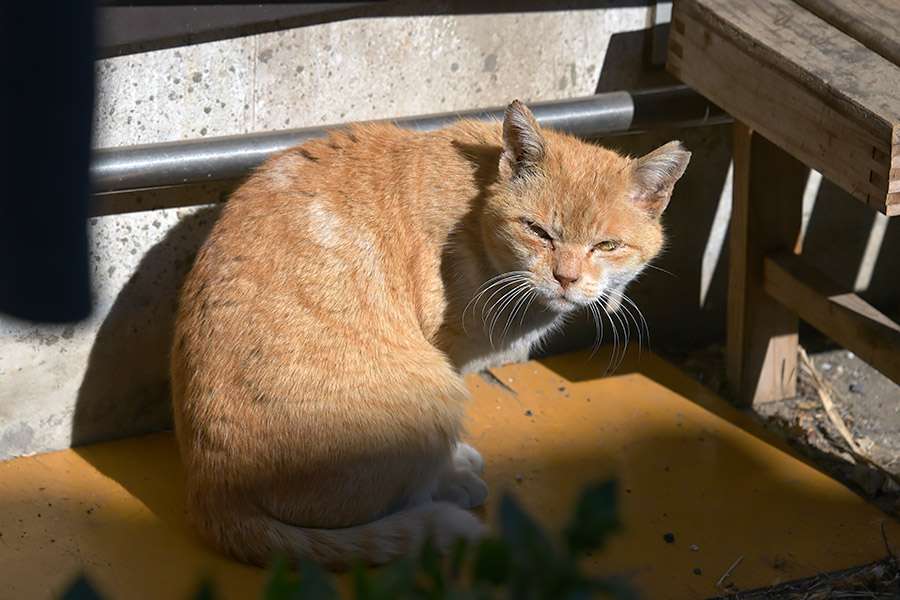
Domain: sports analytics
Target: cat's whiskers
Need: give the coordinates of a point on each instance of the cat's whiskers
(498, 307)
(642, 327)
(488, 307)
(626, 330)
(529, 296)
(531, 299)
(601, 304)
(598, 324)
(497, 280)
(629, 319)
(509, 279)
(600, 307)
(652, 266)
(632, 314)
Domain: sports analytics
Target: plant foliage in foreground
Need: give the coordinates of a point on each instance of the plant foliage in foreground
(522, 563)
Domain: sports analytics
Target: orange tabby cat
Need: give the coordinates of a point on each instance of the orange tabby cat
(323, 328)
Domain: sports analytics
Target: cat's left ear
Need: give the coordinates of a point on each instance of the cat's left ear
(655, 174)
(523, 145)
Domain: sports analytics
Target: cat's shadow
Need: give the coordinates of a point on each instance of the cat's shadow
(125, 390)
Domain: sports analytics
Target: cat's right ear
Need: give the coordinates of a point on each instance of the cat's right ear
(655, 175)
(523, 145)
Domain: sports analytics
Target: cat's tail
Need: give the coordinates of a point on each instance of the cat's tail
(262, 537)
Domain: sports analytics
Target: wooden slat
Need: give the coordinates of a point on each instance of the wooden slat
(766, 214)
(893, 197)
(841, 70)
(815, 92)
(872, 22)
(842, 316)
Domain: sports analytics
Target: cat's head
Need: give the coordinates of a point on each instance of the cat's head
(577, 220)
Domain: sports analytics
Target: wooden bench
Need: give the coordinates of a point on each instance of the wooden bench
(811, 83)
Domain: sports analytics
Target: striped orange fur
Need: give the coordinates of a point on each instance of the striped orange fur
(323, 328)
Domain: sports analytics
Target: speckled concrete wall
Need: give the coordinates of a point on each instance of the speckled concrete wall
(106, 378)
(352, 71)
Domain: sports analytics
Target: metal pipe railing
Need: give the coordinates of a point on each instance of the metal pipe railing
(212, 159)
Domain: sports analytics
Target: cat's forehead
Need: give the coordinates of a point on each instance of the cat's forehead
(588, 193)
(586, 167)
(587, 219)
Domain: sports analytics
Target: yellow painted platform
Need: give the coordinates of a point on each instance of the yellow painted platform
(687, 464)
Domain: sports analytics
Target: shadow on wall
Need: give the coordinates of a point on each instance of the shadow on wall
(628, 64)
(855, 246)
(125, 391)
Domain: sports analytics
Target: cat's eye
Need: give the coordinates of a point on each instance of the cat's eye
(608, 245)
(538, 231)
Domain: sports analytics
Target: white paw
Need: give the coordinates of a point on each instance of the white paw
(464, 489)
(467, 458)
(451, 524)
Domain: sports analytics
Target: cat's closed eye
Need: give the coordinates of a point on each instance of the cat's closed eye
(538, 231)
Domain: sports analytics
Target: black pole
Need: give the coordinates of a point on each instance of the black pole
(46, 103)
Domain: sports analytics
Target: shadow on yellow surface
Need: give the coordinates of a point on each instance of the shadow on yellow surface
(687, 465)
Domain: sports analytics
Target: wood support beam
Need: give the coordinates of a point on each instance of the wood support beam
(842, 316)
(766, 215)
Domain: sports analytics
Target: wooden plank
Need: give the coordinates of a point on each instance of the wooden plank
(850, 137)
(839, 69)
(842, 316)
(892, 202)
(762, 334)
(872, 22)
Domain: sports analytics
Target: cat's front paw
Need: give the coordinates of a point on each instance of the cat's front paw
(464, 489)
(467, 458)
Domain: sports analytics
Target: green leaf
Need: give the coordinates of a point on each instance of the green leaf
(516, 527)
(534, 560)
(595, 518)
(205, 592)
(278, 586)
(362, 585)
(81, 589)
(458, 555)
(430, 567)
(393, 581)
(314, 584)
(492, 562)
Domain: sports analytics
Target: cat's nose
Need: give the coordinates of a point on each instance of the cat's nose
(564, 279)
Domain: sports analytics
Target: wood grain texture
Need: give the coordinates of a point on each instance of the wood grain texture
(814, 91)
(842, 316)
(841, 70)
(872, 22)
(762, 334)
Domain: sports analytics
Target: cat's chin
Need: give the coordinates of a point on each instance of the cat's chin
(560, 304)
